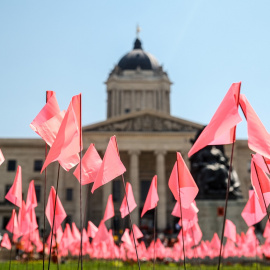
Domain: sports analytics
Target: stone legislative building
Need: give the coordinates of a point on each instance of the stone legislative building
(148, 136)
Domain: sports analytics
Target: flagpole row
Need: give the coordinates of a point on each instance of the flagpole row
(131, 223)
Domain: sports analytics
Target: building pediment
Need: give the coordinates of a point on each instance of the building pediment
(145, 121)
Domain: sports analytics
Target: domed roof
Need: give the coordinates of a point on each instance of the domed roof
(138, 58)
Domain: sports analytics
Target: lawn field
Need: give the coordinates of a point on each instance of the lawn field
(115, 265)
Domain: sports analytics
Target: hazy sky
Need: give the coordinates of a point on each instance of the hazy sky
(71, 46)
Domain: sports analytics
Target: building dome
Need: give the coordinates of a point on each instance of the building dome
(138, 58)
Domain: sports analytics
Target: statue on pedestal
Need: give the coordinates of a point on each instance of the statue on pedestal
(210, 169)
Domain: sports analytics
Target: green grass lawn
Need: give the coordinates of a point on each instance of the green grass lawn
(115, 265)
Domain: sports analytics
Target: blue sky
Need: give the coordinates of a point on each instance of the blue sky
(71, 46)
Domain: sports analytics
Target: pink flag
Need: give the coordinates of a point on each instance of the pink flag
(91, 163)
(215, 242)
(261, 185)
(258, 137)
(60, 213)
(252, 213)
(2, 159)
(188, 213)
(262, 162)
(47, 122)
(76, 233)
(31, 200)
(182, 181)
(196, 233)
(266, 233)
(220, 130)
(67, 237)
(6, 242)
(111, 166)
(230, 230)
(68, 142)
(14, 195)
(152, 197)
(13, 226)
(102, 234)
(126, 239)
(24, 220)
(109, 211)
(91, 230)
(126, 208)
(137, 232)
(33, 220)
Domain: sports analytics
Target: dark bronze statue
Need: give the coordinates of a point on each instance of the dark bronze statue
(210, 169)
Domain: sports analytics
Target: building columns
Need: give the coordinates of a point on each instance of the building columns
(135, 183)
(162, 187)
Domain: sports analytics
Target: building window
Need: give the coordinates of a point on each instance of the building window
(38, 221)
(145, 185)
(11, 165)
(127, 110)
(116, 191)
(68, 220)
(5, 222)
(69, 194)
(38, 163)
(38, 192)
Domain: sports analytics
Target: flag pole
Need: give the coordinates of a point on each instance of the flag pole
(155, 221)
(12, 237)
(55, 201)
(81, 225)
(131, 223)
(44, 202)
(228, 186)
(181, 216)
(226, 201)
(129, 213)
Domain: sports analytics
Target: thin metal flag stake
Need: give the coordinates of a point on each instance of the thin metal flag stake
(181, 218)
(81, 180)
(11, 239)
(44, 209)
(84, 220)
(155, 220)
(55, 201)
(129, 215)
(228, 187)
(44, 203)
(131, 224)
(226, 202)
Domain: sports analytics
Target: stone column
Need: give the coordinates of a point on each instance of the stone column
(143, 106)
(112, 112)
(135, 183)
(116, 104)
(133, 101)
(122, 102)
(162, 186)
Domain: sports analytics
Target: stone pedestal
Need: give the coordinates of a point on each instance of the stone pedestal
(211, 218)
